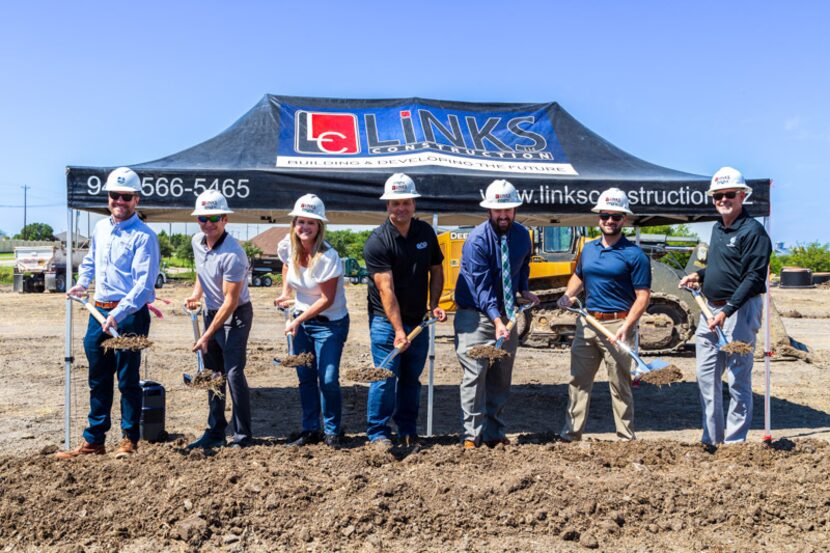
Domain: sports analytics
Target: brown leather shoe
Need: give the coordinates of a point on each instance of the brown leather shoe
(126, 448)
(85, 448)
(469, 444)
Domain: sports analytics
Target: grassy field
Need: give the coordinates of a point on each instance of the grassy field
(6, 275)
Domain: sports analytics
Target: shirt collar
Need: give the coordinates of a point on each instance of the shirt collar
(218, 242)
(125, 224)
(737, 223)
(621, 243)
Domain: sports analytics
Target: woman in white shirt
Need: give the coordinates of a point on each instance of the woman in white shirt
(313, 271)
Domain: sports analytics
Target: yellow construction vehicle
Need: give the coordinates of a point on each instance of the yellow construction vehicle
(670, 319)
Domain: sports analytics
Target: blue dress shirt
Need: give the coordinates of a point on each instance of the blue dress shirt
(123, 260)
(479, 284)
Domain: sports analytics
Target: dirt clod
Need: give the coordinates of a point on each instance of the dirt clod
(374, 374)
(488, 352)
(300, 360)
(741, 348)
(210, 381)
(132, 342)
(661, 377)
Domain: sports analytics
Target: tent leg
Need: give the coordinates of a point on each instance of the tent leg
(767, 352)
(431, 386)
(67, 386)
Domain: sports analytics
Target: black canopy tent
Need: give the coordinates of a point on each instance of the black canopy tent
(344, 150)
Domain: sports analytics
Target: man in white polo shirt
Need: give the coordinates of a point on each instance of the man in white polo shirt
(222, 278)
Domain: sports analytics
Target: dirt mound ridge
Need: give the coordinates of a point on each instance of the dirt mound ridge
(660, 495)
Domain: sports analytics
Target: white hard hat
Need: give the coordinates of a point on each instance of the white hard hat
(501, 195)
(727, 178)
(123, 179)
(399, 187)
(310, 207)
(612, 199)
(211, 202)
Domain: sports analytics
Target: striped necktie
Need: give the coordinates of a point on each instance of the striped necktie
(506, 281)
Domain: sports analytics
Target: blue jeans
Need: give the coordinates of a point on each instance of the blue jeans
(102, 370)
(397, 397)
(320, 383)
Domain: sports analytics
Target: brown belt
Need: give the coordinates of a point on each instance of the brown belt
(608, 316)
(718, 303)
(106, 304)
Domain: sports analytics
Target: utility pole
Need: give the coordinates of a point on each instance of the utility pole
(25, 190)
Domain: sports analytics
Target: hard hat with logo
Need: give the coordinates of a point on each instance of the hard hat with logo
(612, 199)
(211, 202)
(399, 187)
(310, 207)
(501, 195)
(727, 178)
(123, 179)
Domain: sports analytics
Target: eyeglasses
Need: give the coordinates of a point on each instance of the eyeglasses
(211, 218)
(616, 217)
(127, 197)
(718, 196)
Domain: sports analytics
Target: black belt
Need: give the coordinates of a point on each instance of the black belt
(317, 319)
(718, 303)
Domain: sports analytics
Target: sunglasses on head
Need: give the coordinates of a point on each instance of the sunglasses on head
(616, 217)
(126, 196)
(211, 218)
(718, 196)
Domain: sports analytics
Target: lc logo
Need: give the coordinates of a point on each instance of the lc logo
(326, 133)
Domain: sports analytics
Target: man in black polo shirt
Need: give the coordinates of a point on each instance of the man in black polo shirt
(404, 263)
(733, 282)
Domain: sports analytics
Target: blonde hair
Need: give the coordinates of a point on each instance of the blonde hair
(317, 249)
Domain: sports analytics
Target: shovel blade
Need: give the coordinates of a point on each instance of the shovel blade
(188, 380)
(657, 364)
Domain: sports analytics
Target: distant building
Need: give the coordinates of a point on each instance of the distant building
(267, 241)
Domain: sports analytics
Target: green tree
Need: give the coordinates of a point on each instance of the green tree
(814, 256)
(184, 251)
(348, 243)
(165, 245)
(36, 231)
(251, 250)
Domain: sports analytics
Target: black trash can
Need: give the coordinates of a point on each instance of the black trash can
(152, 411)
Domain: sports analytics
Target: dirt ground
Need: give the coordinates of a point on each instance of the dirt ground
(660, 493)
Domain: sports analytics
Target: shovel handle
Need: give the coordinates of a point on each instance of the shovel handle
(605, 332)
(411, 336)
(99, 317)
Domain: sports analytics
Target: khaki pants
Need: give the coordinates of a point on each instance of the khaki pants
(589, 349)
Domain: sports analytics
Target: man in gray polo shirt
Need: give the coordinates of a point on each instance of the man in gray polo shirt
(222, 278)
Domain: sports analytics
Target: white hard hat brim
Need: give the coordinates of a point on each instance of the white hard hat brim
(744, 187)
(597, 209)
(404, 196)
(308, 215)
(499, 205)
(198, 212)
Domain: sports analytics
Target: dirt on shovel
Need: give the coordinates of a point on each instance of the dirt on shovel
(741, 348)
(301, 360)
(375, 374)
(664, 376)
(131, 342)
(484, 351)
(210, 381)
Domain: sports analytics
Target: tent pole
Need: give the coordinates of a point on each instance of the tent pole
(431, 387)
(67, 387)
(767, 352)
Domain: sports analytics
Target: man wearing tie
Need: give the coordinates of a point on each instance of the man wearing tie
(495, 266)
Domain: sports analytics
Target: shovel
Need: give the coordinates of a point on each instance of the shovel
(642, 367)
(200, 361)
(722, 340)
(95, 313)
(411, 336)
(485, 351)
(291, 357)
(118, 341)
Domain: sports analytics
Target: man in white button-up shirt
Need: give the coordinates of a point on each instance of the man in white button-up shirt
(123, 260)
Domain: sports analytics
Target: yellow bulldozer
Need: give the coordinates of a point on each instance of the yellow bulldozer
(670, 319)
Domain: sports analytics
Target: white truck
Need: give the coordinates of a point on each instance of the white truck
(43, 268)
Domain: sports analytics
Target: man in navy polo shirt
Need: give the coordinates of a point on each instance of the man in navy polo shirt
(616, 277)
(406, 275)
(495, 268)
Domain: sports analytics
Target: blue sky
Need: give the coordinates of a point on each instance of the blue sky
(692, 86)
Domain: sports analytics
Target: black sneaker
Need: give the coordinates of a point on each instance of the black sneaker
(207, 442)
(242, 444)
(333, 440)
(307, 437)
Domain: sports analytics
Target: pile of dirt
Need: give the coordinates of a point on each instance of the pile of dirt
(301, 360)
(132, 342)
(375, 374)
(642, 495)
(491, 353)
(664, 376)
